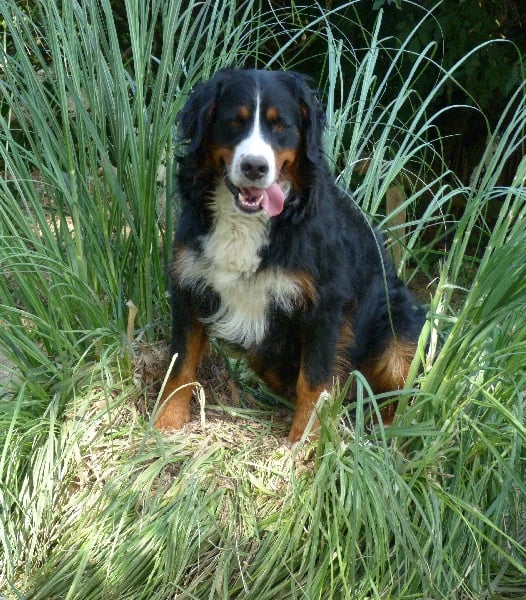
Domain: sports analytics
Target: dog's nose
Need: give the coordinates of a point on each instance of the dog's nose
(254, 167)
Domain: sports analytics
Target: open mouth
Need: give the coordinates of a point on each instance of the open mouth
(253, 200)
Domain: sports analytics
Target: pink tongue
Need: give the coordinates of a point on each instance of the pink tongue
(273, 199)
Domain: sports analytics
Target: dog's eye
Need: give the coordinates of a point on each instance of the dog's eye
(236, 123)
(278, 127)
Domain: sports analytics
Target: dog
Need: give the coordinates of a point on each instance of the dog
(272, 257)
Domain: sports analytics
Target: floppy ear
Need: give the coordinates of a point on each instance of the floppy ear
(313, 122)
(312, 113)
(197, 113)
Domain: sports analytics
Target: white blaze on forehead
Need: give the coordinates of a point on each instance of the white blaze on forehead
(253, 145)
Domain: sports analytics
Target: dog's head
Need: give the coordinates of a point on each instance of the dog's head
(260, 129)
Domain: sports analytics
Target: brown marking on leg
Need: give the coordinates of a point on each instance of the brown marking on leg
(306, 398)
(274, 381)
(389, 372)
(271, 377)
(175, 401)
(343, 366)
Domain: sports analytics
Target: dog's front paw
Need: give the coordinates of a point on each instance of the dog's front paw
(174, 405)
(295, 433)
(172, 418)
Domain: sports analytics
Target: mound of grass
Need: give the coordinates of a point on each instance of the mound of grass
(94, 502)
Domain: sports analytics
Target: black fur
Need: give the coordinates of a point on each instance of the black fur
(353, 310)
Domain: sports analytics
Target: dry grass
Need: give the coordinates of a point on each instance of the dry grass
(227, 393)
(94, 502)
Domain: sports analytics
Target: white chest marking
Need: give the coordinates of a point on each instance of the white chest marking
(228, 264)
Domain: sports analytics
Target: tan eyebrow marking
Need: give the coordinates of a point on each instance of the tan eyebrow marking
(272, 114)
(243, 112)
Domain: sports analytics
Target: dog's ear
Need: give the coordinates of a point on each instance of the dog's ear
(312, 114)
(197, 114)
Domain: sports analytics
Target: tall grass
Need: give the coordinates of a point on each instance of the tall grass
(94, 503)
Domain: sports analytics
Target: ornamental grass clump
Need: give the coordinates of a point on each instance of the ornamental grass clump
(94, 502)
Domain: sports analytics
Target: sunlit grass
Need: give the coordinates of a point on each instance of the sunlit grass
(94, 502)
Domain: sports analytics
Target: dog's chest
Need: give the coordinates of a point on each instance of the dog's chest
(235, 242)
(229, 264)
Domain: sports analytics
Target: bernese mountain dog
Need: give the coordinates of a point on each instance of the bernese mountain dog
(272, 257)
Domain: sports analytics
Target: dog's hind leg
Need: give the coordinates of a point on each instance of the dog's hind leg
(389, 371)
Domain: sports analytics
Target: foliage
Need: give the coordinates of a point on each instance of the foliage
(457, 27)
(94, 503)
